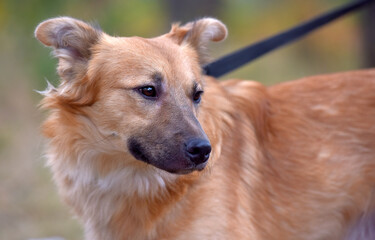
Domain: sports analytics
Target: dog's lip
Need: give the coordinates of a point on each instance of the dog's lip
(201, 166)
(184, 171)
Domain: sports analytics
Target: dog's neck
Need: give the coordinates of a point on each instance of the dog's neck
(139, 216)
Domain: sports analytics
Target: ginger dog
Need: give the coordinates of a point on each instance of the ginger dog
(143, 146)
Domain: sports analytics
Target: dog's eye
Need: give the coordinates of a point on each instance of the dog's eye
(197, 96)
(148, 91)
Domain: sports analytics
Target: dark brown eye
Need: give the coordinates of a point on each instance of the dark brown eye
(197, 96)
(148, 91)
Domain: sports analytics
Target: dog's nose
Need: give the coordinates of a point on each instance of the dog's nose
(198, 150)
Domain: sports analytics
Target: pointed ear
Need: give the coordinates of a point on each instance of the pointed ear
(72, 41)
(198, 34)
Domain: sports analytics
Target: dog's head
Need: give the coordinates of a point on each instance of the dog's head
(143, 93)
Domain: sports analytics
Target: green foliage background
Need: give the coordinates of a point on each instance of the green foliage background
(29, 205)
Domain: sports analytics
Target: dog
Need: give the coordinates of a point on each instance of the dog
(142, 145)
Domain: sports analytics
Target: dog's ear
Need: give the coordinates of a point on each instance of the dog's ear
(72, 40)
(198, 34)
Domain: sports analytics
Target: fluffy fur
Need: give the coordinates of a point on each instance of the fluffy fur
(292, 161)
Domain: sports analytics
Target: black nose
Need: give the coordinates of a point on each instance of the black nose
(198, 150)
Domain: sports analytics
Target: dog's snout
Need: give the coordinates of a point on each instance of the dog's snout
(198, 150)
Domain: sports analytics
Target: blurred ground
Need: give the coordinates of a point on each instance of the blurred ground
(29, 205)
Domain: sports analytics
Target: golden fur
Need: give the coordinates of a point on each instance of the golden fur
(292, 161)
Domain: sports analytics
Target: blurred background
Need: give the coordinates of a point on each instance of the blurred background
(29, 205)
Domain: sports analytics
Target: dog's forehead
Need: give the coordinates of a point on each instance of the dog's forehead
(136, 57)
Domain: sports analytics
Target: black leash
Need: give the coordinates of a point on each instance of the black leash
(247, 54)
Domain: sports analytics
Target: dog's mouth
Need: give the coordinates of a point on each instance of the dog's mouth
(199, 167)
(192, 156)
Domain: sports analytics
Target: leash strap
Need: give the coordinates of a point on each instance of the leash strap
(240, 57)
